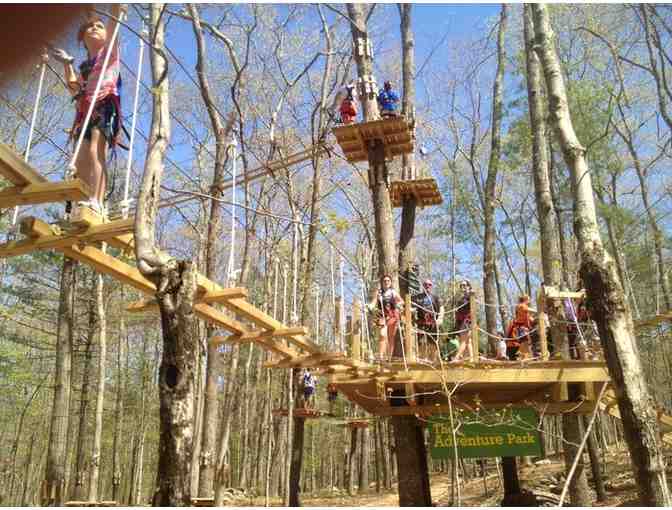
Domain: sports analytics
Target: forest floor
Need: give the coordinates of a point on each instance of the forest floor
(544, 477)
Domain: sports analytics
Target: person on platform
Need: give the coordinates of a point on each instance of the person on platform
(428, 320)
(104, 127)
(348, 108)
(463, 321)
(388, 305)
(520, 327)
(388, 101)
(309, 382)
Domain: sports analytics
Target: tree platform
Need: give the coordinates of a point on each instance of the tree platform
(425, 191)
(395, 133)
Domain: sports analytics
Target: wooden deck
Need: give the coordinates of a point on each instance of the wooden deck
(425, 191)
(395, 133)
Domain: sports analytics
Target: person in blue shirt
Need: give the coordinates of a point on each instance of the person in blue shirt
(388, 101)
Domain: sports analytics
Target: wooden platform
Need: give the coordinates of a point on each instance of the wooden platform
(301, 412)
(91, 503)
(654, 321)
(29, 187)
(425, 191)
(395, 133)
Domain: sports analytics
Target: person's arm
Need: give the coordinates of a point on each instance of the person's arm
(439, 318)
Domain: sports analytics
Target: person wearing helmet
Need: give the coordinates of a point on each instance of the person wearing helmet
(429, 317)
(348, 108)
(388, 101)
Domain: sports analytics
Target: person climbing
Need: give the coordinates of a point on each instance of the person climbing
(332, 395)
(309, 382)
(104, 128)
(388, 304)
(428, 320)
(388, 101)
(519, 329)
(348, 108)
(463, 321)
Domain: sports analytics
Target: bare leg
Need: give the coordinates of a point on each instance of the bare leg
(382, 342)
(91, 164)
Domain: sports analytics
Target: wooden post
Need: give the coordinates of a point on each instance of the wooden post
(408, 330)
(356, 331)
(474, 327)
(541, 324)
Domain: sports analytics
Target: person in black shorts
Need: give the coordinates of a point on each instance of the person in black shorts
(428, 320)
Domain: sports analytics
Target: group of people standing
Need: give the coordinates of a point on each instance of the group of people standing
(387, 99)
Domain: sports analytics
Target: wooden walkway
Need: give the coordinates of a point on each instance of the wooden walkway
(395, 133)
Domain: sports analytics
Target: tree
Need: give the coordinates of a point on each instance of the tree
(175, 291)
(605, 297)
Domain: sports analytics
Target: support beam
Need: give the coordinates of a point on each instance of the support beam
(260, 336)
(428, 410)
(42, 236)
(16, 170)
(44, 192)
(221, 296)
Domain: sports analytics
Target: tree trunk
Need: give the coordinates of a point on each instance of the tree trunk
(408, 210)
(101, 331)
(176, 288)
(595, 464)
(122, 357)
(57, 449)
(414, 488)
(489, 249)
(364, 464)
(605, 297)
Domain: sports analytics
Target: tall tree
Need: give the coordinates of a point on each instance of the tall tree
(605, 297)
(489, 236)
(58, 435)
(413, 486)
(550, 253)
(176, 288)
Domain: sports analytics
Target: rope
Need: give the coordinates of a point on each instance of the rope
(125, 204)
(233, 146)
(365, 322)
(341, 318)
(72, 168)
(33, 120)
(449, 333)
(506, 338)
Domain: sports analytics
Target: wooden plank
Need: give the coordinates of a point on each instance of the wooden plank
(85, 217)
(218, 318)
(428, 410)
(261, 336)
(263, 320)
(42, 236)
(553, 293)
(310, 361)
(44, 192)
(493, 375)
(223, 295)
(109, 265)
(16, 170)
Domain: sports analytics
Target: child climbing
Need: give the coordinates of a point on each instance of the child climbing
(388, 304)
(463, 321)
(348, 108)
(309, 382)
(104, 126)
(428, 320)
(388, 101)
(519, 329)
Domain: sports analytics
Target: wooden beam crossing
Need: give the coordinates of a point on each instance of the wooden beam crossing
(16, 170)
(44, 192)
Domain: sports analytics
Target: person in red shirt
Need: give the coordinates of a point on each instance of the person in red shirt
(519, 329)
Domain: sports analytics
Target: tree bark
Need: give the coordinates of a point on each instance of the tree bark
(122, 371)
(408, 172)
(58, 440)
(605, 297)
(175, 291)
(414, 488)
(101, 333)
(489, 248)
